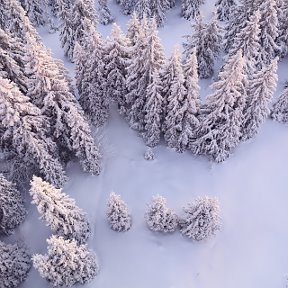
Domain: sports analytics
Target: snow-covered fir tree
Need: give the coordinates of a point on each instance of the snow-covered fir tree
(282, 40)
(35, 10)
(128, 6)
(190, 9)
(133, 29)
(147, 58)
(222, 115)
(248, 39)
(269, 31)
(11, 206)
(66, 263)
(118, 215)
(15, 263)
(143, 9)
(280, 107)
(74, 25)
(261, 88)
(59, 211)
(104, 13)
(171, 3)
(201, 218)
(93, 98)
(158, 10)
(224, 9)
(153, 111)
(116, 58)
(159, 217)
(22, 130)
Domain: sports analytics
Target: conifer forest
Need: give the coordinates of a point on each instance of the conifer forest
(143, 143)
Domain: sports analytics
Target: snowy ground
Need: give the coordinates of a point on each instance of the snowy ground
(251, 248)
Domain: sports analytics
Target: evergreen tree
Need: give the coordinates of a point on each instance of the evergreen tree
(104, 12)
(66, 263)
(35, 11)
(158, 9)
(224, 9)
(191, 8)
(22, 130)
(59, 211)
(11, 206)
(118, 215)
(201, 218)
(262, 86)
(280, 107)
(128, 6)
(15, 264)
(159, 217)
(282, 40)
(222, 116)
(133, 29)
(117, 53)
(143, 9)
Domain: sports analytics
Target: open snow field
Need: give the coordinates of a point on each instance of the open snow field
(251, 249)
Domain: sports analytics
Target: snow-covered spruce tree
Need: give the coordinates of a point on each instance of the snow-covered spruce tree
(282, 40)
(146, 59)
(128, 6)
(158, 9)
(261, 88)
(104, 13)
(11, 206)
(280, 107)
(221, 117)
(224, 9)
(93, 98)
(118, 215)
(248, 39)
(66, 263)
(143, 9)
(74, 26)
(15, 264)
(22, 130)
(269, 31)
(153, 112)
(59, 211)
(159, 217)
(133, 29)
(35, 11)
(117, 53)
(201, 218)
(191, 8)
(171, 3)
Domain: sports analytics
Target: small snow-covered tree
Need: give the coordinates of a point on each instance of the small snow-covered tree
(128, 6)
(143, 9)
(224, 9)
(104, 13)
(11, 206)
(118, 215)
(261, 88)
(191, 8)
(159, 217)
(59, 211)
(280, 107)
(15, 264)
(35, 10)
(201, 218)
(221, 117)
(158, 9)
(133, 30)
(66, 263)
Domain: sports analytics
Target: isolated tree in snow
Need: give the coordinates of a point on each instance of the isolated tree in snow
(153, 112)
(35, 11)
(118, 215)
(116, 58)
(15, 264)
(222, 115)
(59, 211)
(248, 39)
(191, 8)
(280, 108)
(66, 263)
(269, 31)
(201, 218)
(224, 9)
(133, 29)
(11, 206)
(159, 217)
(93, 98)
(261, 88)
(22, 129)
(104, 13)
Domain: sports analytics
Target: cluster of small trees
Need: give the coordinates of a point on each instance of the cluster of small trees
(200, 220)
(42, 126)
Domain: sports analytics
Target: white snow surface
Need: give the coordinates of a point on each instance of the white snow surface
(250, 250)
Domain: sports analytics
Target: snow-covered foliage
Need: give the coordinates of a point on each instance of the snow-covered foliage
(224, 9)
(35, 10)
(222, 115)
(59, 211)
(191, 8)
(158, 10)
(261, 88)
(66, 263)
(149, 154)
(118, 215)
(12, 207)
(133, 29)
(201, 218)
(159, 217)
(104, 13)
(15, 264)
(282, 40)
(280, 107)
(128, 5)
(142, 9)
